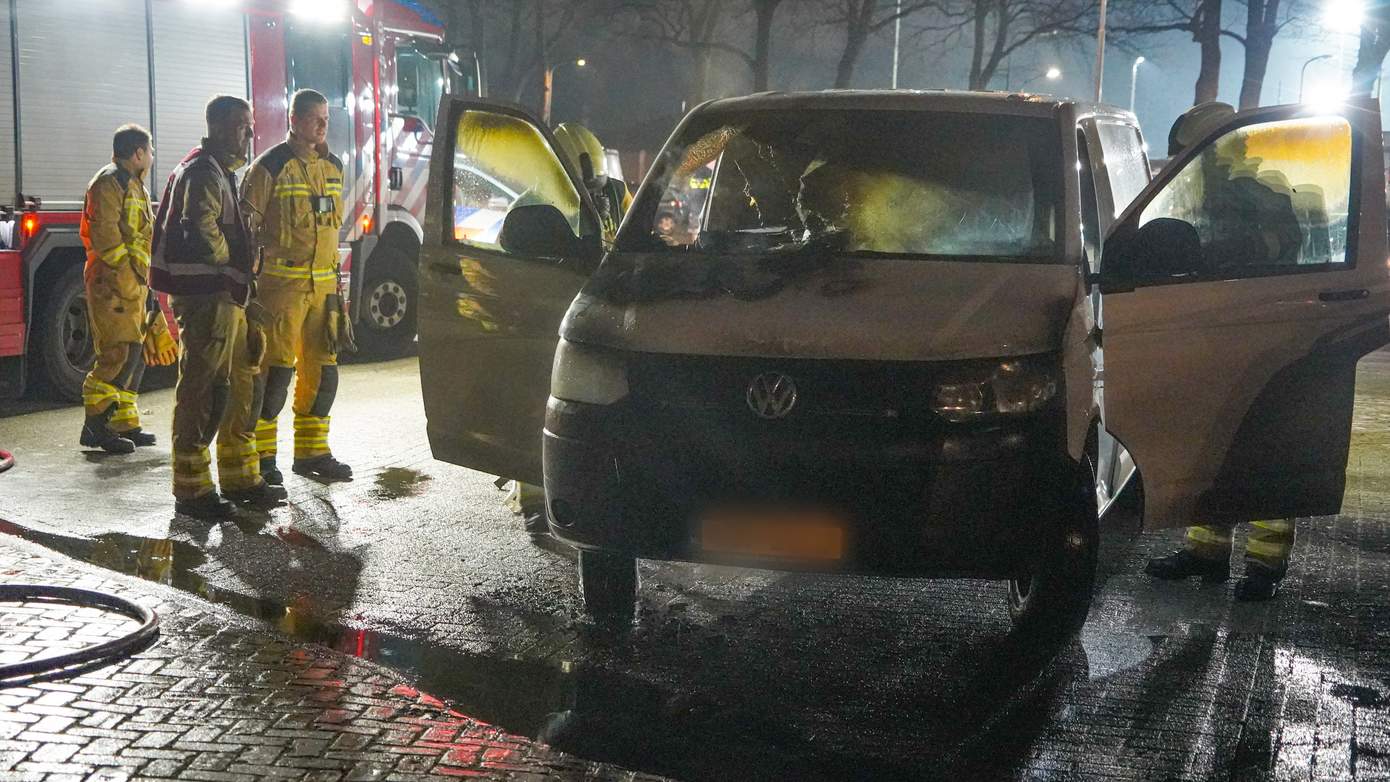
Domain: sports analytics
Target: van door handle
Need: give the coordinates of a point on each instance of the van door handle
(1350, 294)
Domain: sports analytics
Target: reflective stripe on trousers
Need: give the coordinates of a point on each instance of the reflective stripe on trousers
(310, 436)
(1270, 542)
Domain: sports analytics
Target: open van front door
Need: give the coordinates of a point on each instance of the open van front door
(510, 237)
(1240, 289)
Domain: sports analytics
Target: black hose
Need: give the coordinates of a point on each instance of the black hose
(59, 665)
(6, 460)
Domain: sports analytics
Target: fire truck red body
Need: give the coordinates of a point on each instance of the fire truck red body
(381, 63)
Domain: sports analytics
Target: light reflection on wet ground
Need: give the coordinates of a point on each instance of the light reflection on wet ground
(798, 676)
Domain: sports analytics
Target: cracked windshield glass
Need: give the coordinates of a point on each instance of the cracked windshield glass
(950, 185)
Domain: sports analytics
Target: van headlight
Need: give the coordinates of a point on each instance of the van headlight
(1011, 387)
(586, 374)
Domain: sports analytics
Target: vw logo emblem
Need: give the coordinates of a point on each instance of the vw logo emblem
(771, 395)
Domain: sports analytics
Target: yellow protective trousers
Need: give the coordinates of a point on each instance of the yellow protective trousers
(297, 342)
(216, 397)
(1270, 543)
(116, 316)
(115, 380)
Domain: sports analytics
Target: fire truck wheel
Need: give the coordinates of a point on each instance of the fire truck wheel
(386, 326)
(62, 340)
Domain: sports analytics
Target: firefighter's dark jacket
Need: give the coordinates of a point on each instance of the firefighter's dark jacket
(201, 244)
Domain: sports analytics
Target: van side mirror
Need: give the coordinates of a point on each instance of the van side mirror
(1163, 249)
(540, 231)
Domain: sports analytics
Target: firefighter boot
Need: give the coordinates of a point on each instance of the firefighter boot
(1260, 583)
(271, 472)
(1185, 564)
(139, 437)
(96, 433)
(324, 467)
(207, 506)
(262, 496)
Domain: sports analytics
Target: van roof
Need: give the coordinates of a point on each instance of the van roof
(992, 102)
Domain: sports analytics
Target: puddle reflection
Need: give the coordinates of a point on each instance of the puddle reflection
(979, 716)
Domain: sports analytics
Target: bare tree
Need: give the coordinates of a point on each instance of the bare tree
(1199, 18)
(763, 12)
(697, 26)
(860, 20)
(527, 36)
(998, 28)
(1264, 20)
(1375, 43)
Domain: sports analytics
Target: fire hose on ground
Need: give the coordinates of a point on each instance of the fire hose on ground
(6, 460)
(80, 660)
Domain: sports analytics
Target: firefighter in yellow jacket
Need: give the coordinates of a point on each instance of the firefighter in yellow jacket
(293, 199)
(127, 333)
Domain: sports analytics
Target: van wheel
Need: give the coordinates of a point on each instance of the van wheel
(62, 340)
(390, 304)
(608, 583)
(1054, 594)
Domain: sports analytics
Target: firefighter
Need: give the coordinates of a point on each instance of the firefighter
(1206, 552)
(126, 333)
(293, 198)
(585, 155)
(202, 258)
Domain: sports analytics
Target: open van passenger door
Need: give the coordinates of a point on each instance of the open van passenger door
(1240, 289)
(510, 236)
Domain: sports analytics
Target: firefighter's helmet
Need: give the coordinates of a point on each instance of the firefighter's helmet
(577, 142)
(1195, 123)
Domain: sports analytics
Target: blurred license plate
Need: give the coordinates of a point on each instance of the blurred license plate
(799, 535)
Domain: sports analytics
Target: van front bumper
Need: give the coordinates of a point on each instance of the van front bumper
(927, 500)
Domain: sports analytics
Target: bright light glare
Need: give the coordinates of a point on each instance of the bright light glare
(1054, 73)
(1327, 97)
(1343, 16)
(320, 10)
(1139, 60)
(581, 62)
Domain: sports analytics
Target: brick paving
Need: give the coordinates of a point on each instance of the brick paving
(220, 698)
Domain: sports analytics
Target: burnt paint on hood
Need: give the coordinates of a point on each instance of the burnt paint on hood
(820, 305)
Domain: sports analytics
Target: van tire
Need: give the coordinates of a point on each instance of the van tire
(390, 305)
(1053, 595)
(62, 338)
(608, 582)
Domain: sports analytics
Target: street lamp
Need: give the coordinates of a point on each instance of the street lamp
(550, 86)
(897, 39)
(1303, 72)
(1100, 49)
(1134, 80)
(1053, 73)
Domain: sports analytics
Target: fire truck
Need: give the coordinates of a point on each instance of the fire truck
(71, 71)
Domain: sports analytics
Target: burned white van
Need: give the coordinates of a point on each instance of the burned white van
(918, 334)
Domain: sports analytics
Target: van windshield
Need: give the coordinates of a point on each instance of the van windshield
(863, 182)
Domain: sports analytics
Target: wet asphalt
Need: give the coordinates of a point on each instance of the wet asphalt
(733, 674)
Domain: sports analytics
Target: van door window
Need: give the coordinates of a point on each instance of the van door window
(1267, 198)
(1126, 164)
(419, 84)
(501, 162)
(1090, 212)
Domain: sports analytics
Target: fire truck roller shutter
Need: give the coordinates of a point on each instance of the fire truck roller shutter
(7, 182)
(199, 51)
(64, 61)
